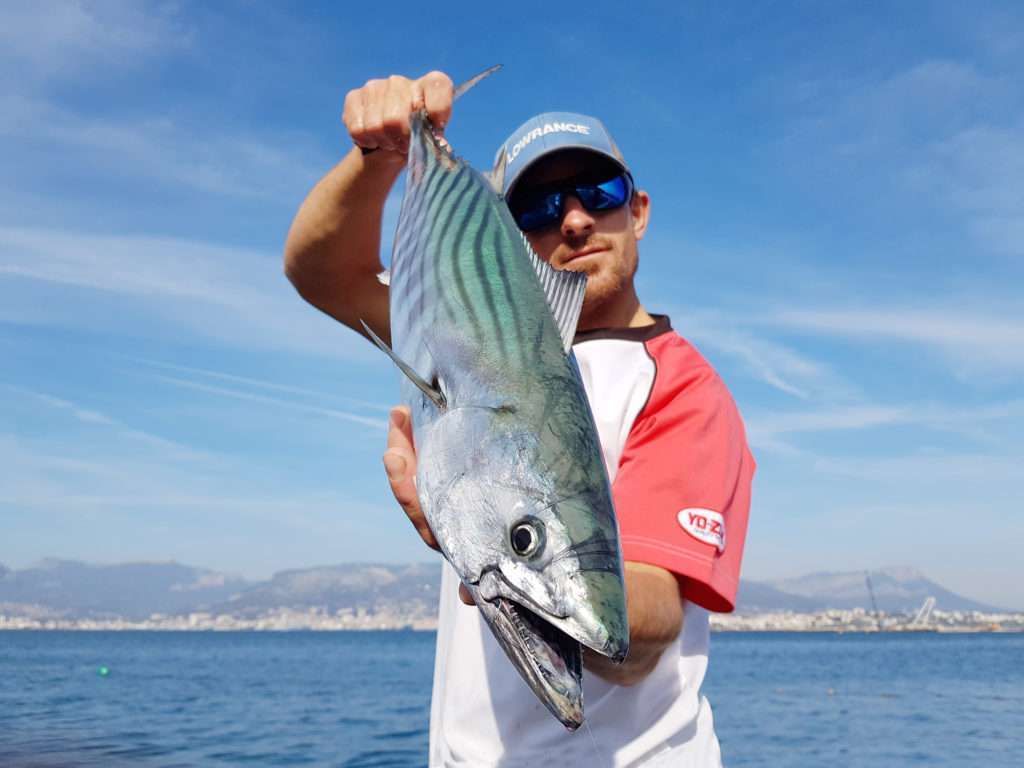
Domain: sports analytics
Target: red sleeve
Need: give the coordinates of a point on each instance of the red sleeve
(682, 490)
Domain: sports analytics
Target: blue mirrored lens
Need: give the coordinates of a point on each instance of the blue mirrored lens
(540, 213)
(605, 196)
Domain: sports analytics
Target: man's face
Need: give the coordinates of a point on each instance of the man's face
(600, 243)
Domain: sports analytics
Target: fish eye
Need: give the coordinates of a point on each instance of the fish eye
(527, 537)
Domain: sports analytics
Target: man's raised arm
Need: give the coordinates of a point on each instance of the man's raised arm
(332, 252)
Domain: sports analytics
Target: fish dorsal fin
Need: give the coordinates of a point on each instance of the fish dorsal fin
(432, 393)
(564, 290)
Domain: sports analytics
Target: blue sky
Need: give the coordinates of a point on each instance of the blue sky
(838, 224)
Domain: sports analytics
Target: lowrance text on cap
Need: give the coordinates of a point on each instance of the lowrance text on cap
(550, 132)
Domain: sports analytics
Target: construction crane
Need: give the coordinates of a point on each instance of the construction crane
(924, 613)
(874, 605)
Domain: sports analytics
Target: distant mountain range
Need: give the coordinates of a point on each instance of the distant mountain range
(896, 590)
(410, 590)
(73, 590)
(70, 589)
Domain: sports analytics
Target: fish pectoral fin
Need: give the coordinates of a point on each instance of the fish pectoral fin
(564, 290)
(432, 393)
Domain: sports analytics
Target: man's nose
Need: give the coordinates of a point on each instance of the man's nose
(576, 220)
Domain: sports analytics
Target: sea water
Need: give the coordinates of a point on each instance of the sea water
(362, 699)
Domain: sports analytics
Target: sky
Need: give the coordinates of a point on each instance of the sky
(837, 224)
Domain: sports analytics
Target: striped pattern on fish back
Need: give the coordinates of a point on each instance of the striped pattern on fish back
(461, 267)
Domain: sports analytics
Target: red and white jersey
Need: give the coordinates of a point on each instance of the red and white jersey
(680, 469)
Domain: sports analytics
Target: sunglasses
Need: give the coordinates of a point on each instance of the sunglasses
(538, 208)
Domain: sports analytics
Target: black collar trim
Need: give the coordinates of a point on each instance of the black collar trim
(662, 324)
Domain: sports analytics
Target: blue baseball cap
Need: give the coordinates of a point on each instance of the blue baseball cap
(547, 133)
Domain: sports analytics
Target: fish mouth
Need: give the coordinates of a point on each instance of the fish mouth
(549, 660)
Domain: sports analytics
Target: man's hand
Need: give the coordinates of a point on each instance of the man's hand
(377, 115)
(400, 465)
(655, 612)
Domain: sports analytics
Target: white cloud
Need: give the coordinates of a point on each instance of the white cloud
(169, 449)
(980, 171)
(766, 430)
(197, 154)
(207, 291)
(863, 115)
(964, 335)
(273, 386)
(770, 362)
(985, 480)
(48, 48)
(767, 361)
(944, 132)
(47, 38)
(82, 414)
(237, 394)
(114, 502)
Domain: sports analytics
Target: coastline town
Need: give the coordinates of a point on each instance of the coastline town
(928, 619)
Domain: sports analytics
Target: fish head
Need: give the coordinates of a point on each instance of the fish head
(539, 555)
(542, 564)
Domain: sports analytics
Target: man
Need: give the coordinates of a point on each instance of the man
(672, 439)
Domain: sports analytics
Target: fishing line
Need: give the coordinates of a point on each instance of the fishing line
(593, 741)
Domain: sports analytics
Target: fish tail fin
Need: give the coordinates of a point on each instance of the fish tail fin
(441, 147)
(461, 89)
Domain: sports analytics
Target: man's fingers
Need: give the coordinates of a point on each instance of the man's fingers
(352, 116)
(399, 101)
(377, 115)
(375, 94)
(371, 116)
(400, 466)
(438, 93)
(404, 489)
(400, 432)
(464, 595)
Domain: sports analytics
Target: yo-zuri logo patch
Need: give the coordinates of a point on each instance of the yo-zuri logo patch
(704, 525)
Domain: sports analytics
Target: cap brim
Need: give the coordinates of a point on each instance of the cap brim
(556, 150)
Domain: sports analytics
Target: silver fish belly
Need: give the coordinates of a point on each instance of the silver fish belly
(510, 473)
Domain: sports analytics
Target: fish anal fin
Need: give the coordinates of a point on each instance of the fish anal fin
(431, 393)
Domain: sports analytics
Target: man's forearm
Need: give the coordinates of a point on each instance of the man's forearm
(332, 251)
(655, 619)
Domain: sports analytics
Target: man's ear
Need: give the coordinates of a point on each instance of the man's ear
(640, 207)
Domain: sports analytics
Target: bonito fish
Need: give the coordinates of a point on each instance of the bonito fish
(510, 475)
